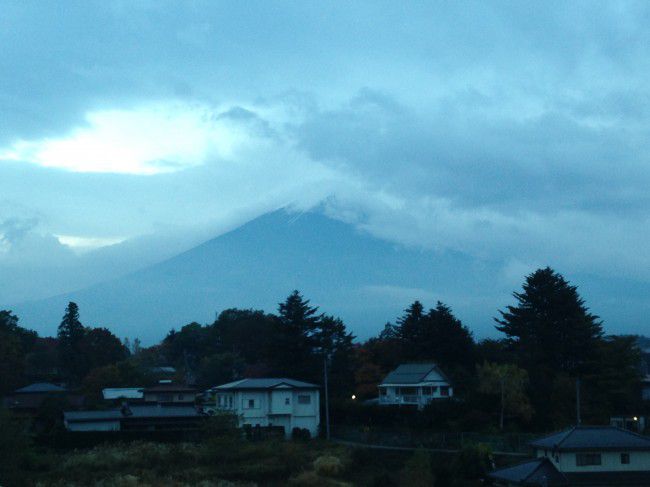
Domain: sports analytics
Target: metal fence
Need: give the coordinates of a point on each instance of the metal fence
(411, 438)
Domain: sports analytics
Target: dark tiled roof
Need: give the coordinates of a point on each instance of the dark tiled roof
(265, 383)
(169, 388)
(411, 373)
(136, 412)
(533, 472)
(40, 387)
(593, 438)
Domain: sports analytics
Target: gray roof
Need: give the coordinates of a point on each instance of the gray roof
(411, 373)
(593, 438)
(265, 383)
(40, 387)
(137, 412)
(533, 472)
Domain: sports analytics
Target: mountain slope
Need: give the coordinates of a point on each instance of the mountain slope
(364, 280)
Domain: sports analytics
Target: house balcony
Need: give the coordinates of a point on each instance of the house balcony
(404, 399)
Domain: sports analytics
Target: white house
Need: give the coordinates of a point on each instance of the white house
(415, 385)
(270, 402)
(583, 455)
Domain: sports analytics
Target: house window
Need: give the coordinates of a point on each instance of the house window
(444, 390)
(181, 397)
(586, 459)
(251, 404)
(426, 391)
(220, 400)
(625, 458)
(230, 402)
(287, 401)
(304, 399)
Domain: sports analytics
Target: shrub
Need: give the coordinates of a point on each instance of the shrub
(473, 462)
(328, 465)
(312, 479)
(418, 471)
(15, 448)
(300, 434)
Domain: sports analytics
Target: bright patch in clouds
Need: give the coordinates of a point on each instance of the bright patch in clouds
(82, 244)
(148, 140)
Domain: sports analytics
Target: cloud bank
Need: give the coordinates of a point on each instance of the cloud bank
(513, 133)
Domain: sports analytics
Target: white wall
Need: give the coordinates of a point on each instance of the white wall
(282, 401)
(610, 461)
(272, 408)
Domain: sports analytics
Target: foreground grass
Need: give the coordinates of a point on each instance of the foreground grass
(231, 462)
(220, 462)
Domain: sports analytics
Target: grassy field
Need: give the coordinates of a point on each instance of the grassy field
(228, 461)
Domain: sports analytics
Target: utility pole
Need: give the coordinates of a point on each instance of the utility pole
(327, 399)
(503, 401)
(578, 401)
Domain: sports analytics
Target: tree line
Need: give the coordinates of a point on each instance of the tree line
(526, 378)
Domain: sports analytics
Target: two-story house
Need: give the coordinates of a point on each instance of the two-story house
(270, 402)
(414, 385)
(583, 456)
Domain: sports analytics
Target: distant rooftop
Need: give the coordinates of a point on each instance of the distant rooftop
(40, 387)
(168, 387)
(266, 383)
(593, 438)
(136, 412)
(412, 373)
(533, 472)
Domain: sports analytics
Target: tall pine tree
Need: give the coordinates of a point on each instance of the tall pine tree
(297, 324)
(550, 326)
(71, 334)
(555, 338)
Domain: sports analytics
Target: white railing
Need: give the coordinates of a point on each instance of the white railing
(406, 399)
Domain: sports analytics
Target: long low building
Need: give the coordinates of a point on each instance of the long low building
(135, 418)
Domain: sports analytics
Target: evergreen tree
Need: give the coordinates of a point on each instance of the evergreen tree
(297, 323)
(554, 337)
(15, 343)
(70, 334)
(409, 325)
(551, 327)
(332, 340)
(444, 339)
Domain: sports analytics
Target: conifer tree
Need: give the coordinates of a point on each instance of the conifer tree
(70, 334)
(550, 326)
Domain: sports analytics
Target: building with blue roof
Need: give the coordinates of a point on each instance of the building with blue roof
(584, 456)
(414, 384)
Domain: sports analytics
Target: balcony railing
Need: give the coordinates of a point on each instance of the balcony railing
(405, 399)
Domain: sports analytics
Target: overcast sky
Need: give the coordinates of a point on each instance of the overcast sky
(514, 132)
